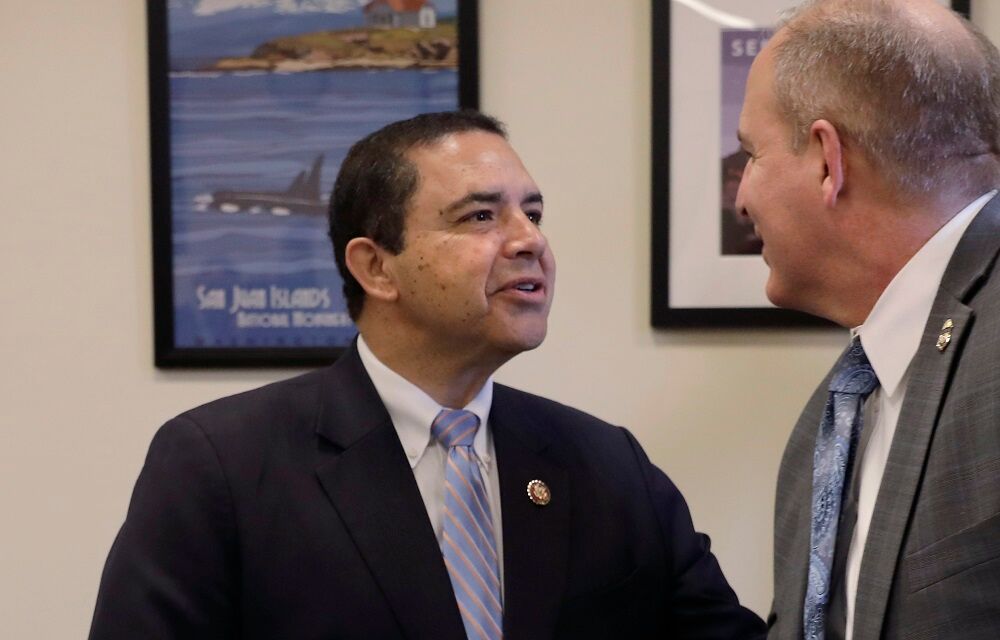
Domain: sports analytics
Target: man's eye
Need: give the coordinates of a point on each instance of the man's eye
(481, 216)
(535, 217)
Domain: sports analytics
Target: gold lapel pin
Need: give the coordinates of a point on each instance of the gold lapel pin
(945, 338)
(538, 492)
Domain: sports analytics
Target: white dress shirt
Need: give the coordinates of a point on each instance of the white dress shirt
(890, 336)
(412, 412)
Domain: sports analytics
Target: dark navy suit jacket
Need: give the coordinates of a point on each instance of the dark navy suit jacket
(291, 512)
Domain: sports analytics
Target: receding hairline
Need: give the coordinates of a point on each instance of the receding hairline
(949, 22)
(407, 153)
(429, 144)
(482, 196)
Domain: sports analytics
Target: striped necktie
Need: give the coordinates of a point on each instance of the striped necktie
(468, 543)
(852, 382)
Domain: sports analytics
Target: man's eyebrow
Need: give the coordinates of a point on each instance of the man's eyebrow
(533, 198)
(490, 197)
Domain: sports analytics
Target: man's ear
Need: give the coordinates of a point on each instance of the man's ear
(831, 149)
(367, 262)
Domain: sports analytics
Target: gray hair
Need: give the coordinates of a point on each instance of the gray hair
(922, 104)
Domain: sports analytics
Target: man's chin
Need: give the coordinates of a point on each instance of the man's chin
(533, 343)
(525, 341)
(785, 298)
(776, 294)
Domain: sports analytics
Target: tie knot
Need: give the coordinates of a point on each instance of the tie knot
(455, 427)
(853, 372)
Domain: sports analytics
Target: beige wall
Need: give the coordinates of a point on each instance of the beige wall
(81, 399)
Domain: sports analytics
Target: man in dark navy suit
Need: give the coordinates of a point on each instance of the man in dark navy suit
(325, 506)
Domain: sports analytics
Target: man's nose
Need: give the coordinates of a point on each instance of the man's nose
(741, 193)
(525, 238)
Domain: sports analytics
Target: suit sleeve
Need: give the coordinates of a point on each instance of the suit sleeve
(701, 602)
(170, 572)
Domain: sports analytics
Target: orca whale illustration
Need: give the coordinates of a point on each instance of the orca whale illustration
(302, 196)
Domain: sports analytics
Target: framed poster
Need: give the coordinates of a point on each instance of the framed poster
(706, 264)
(253, 106)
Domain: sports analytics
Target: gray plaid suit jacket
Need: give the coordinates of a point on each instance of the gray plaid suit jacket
(931, 566)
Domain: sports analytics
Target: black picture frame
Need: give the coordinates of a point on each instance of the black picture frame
(168, 354)
(663, 313)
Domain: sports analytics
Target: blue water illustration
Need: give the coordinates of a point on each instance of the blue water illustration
(259, 276)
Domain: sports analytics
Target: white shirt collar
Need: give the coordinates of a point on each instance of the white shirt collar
(892, 331)
(412, 410)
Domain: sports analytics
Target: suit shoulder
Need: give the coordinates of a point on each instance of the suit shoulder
(559, 419)
(543, 405)
(287, 402)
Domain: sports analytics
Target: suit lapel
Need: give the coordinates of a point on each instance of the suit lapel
(930, 375)
(929, 378)
(367, 477)
(535, 537)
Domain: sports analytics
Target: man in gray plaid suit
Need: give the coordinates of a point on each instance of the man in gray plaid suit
(873, 130)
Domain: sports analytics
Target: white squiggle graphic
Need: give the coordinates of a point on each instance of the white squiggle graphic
(718, 16)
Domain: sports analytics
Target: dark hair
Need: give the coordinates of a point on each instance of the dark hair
(377, 180)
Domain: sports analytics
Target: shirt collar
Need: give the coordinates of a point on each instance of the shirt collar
(412, 411)
(891, 333)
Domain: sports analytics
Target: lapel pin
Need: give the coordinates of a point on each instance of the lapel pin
(539, 493)
(945, 338)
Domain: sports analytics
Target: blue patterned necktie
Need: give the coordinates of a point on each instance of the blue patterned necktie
(468, 543)
(853, 380)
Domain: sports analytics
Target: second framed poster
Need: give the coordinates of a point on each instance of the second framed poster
(706, 263)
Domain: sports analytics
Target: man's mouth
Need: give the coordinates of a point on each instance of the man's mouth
(530, 288)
